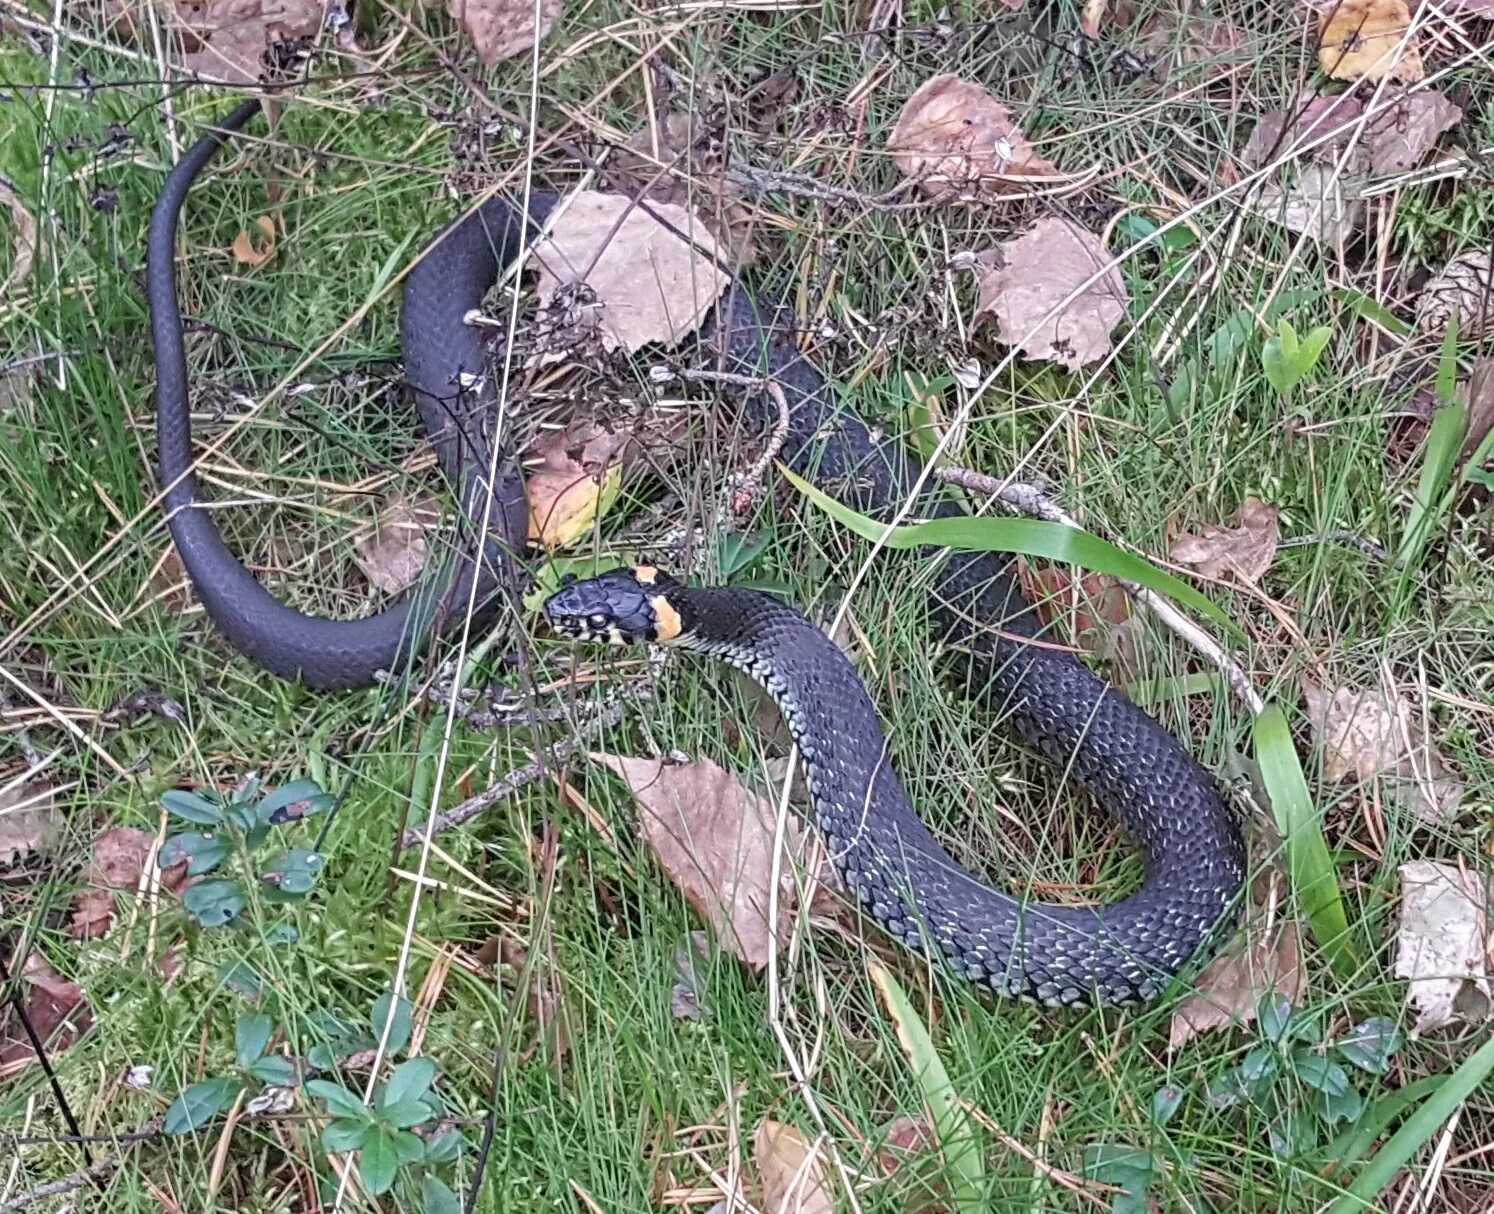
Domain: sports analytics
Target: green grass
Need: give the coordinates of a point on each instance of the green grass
(643, 1107)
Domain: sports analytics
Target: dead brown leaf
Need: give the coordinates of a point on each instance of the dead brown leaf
(1365, 39)
(1037, 273)
(649, 284)
(30, 821)
(794, 1179)
(256, 251)
(56, 1008)
(1244, 547)
(22, 243)
(714, 839)
(1464, 286)
(242, 41)
(1092, 605)
(394, 551)
(1371, 736)
(1330, 119)
(501, 29)
(1440, 946)
(117, 862)
(1257, 962)
(1321, 204)
(574, 476)
(1398, 139)
(954, 134)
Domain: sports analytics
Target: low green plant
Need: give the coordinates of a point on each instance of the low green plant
(1287, 360)
(234, 826)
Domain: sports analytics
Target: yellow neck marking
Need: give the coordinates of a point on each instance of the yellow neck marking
(667, 622)
(647, 574)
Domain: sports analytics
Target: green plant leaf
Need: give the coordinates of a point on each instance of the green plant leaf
(339, 1100)
(192, 807)
(1274, 1015)
(397, 1015)
(1027, 536)
(274, 1069)
(402, 1114)
(203, 851)
(1312, 348)
(1165, 1102)
(1286, 334)
(294, 801)
(410, 1080)
(963, 1155)
(1346, 1106)
(200, 1103)
(436, 1197)
(345, 1135)
(378, 1161)
(214, 903)
(445, 1146)
(1257, 1067)
(242, 979)
(408, 1147)
(1320, 1073)
(251, 1035)
(1311, 865)
(294, 872)
(1370, 1044)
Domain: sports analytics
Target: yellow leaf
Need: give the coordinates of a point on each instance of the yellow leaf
(1367, 39)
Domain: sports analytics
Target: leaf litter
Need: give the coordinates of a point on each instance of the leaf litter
(501, 29)
(30, 822)
(1243, 548)
(793, 1176)
(1366, 39)
(1441, 947)
(57, 1009)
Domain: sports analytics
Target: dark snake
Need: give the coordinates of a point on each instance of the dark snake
(1124, 952)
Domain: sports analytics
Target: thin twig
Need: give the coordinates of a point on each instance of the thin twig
(555, 756)
(95, 1173)
(1030, 500)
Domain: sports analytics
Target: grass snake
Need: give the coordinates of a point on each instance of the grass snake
(1058, 954)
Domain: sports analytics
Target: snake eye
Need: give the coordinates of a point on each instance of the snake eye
(567, 579)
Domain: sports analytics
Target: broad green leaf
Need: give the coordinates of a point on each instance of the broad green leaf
(1308, 859)
(203, 851)
(214, 903)
(1026, 536)
(1312, 348)
(345, 1135)
(1274, 1014)
(1370, 1044)
(436, 1197)
(963, 1153)
(408, 1147)
(294, 801)
(200, 1103)
(339, 1100)
(378, 1161)
(396, 1014)
(402, 1114)
(192, 807)
(1165, 1102)
(1320, 1073)
(294, 872)
(1347, 1105)
(445, 1146)
(410, 1080)
(274, 1069)
(251, 1035)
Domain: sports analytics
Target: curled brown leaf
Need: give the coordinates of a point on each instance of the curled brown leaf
(1244, 547)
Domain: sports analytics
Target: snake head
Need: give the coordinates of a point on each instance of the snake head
(620, 607)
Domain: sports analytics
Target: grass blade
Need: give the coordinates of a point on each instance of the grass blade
(1308, 860)
(1417, 1130)
(1025, 536)
(961, 1143)
(1440, 457)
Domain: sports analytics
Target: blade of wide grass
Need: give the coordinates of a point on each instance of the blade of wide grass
(1024, 536)
(961, 1143)
(1308, 860)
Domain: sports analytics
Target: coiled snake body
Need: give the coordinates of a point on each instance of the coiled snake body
(1124, 952)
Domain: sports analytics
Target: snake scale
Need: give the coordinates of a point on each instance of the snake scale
(1121, 953)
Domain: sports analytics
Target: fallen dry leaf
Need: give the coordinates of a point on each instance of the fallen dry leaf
(56, 1009)
(118, 859)
(1464, 286)
(952, 133)
(1244, 547)
(1399, 138)
(394, 551)
(1330, 119)
(573, 477)
(1090, 17)
(1092, 605)
(1365, 39)
(30, 821)
(1371, 737)
(501, 29)
(714, 838)
(1038, 271)
(22, 242)
(252, 252)
(793, 1177)
(1440, 944)
(1479, 399)
(649, 284)
(243, 41)
(1320, 205)
(1256, 963)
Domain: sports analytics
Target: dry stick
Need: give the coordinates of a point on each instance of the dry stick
(96, 1172)
(1030, 500)
(553, 757)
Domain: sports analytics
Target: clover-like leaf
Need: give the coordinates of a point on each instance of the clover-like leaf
(445, 1146)
(274, 1069)
(294, 801)
(251, 1035)
(345, 1134)
(1274, 1015)
(216, 902)
(1165, 1102)
(395, 1013)
(203, 851)
(1320, 1073)
(192, 807)
(200, 1103)
(436, 1197)
(294, 872)
(339, 1100)
(1370, 1044)
(410, 1080)
(402, 1114)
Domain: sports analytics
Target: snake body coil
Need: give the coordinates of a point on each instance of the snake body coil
(1122, 953)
